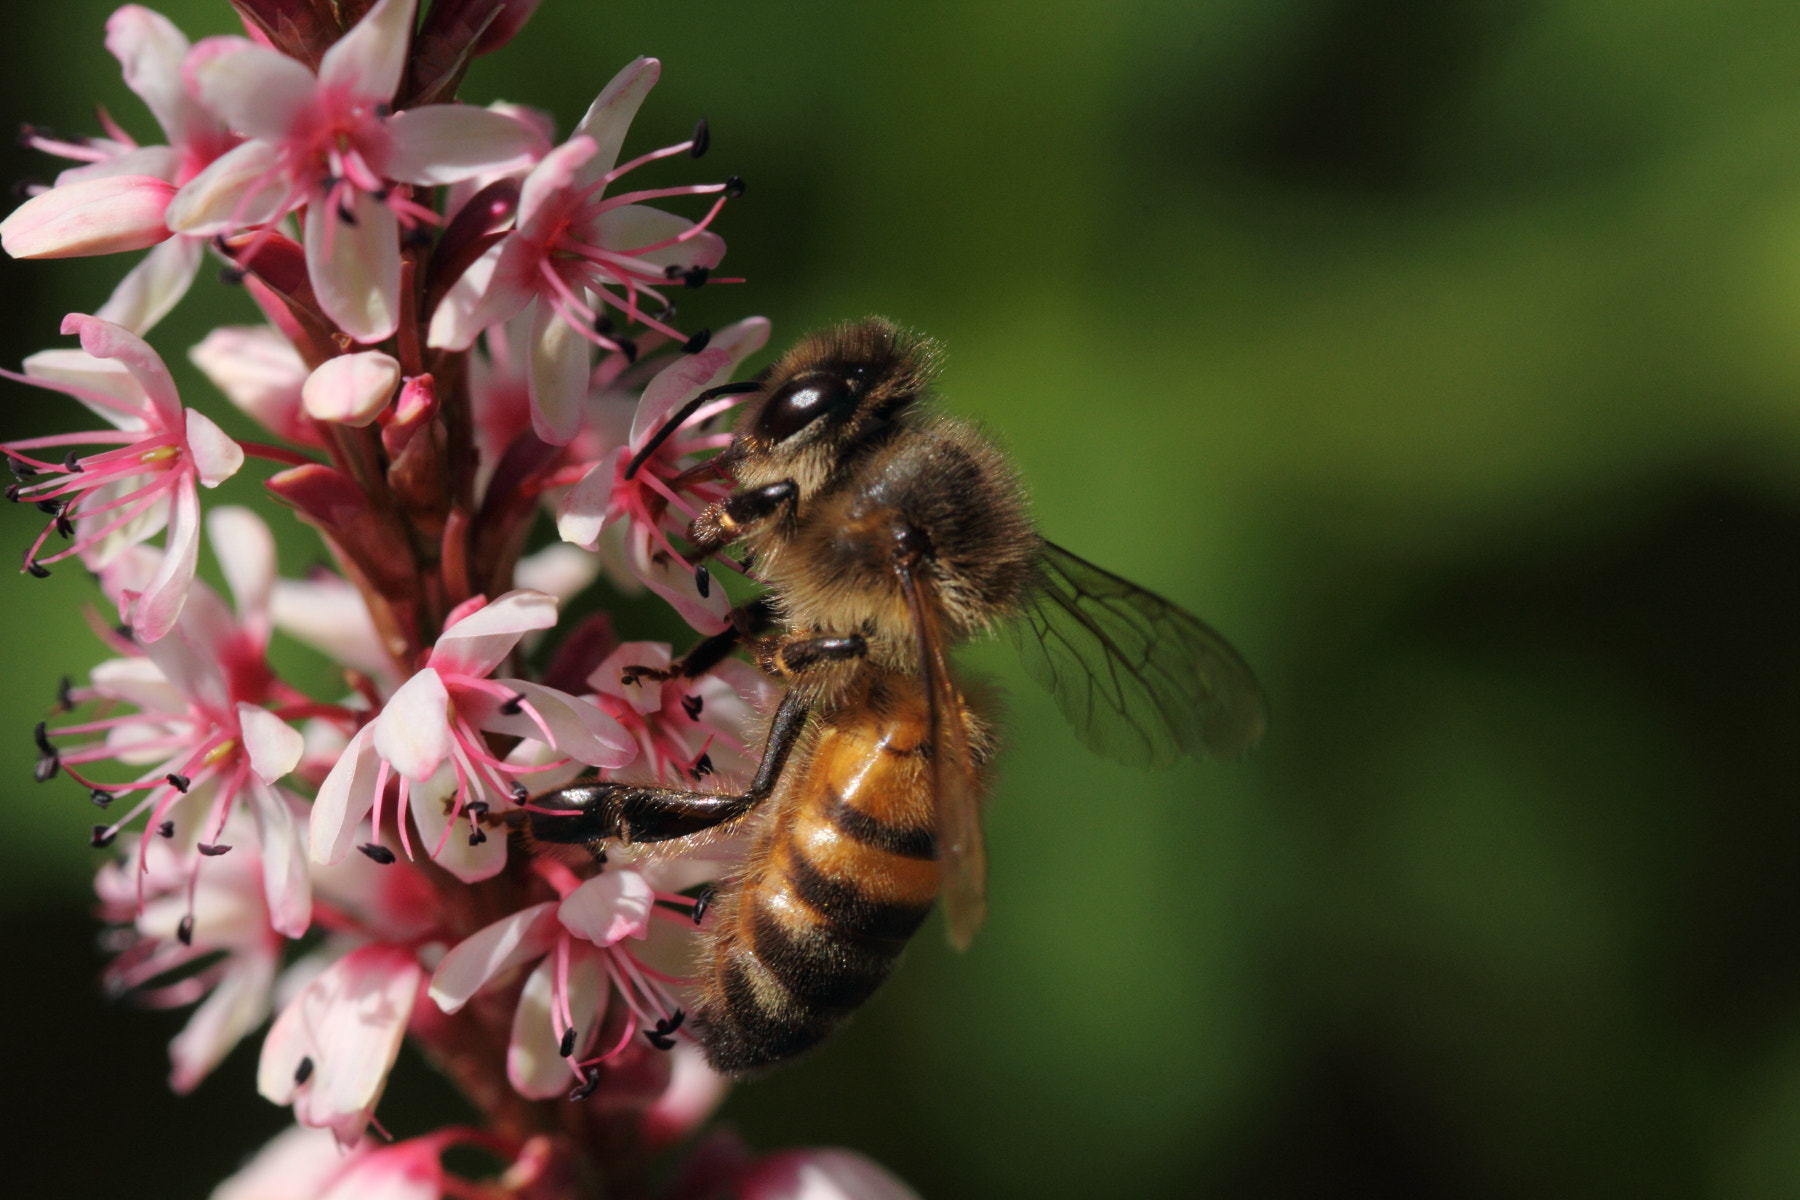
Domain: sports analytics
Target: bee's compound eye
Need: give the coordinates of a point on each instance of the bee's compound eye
(799, 403)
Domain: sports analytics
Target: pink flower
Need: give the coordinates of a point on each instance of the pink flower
(117, 201)
(201, 735)
(430, 734)
(114, 499)
(574, 250)
(329, 142)
(685, 729)
(329, 1052)
(646, 487)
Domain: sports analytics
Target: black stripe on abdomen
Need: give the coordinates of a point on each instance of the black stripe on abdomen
(846, 907)
(897, 840)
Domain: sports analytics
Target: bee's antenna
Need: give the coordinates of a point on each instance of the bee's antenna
(680, 415)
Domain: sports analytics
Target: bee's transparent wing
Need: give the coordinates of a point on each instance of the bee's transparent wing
(962, 852)
(1142, 681)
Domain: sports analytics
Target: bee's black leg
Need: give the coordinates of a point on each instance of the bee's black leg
(724, 522)
(747, 621)
(795, 657)
(630, 812)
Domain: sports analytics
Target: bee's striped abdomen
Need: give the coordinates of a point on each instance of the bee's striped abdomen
(845, 875)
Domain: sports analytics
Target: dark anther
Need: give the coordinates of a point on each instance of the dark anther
(65, 526)
(585, 1088)
(697, 342)
(46, 768)
(603, 324)
(520, 792)
(703, 581)
(659, 1037)
(166, 829)
(702, 139)
(418, 237)
(22, 469)
(514, 706)
(703, 766)
(102, 836)
(232, 276)
(50, 507)
(383, 109)
(477, 836)
(674, 1021)
(123, 632)
(101, 799)
(304, 1071)
(628, 348)
(703, 901)
(566, 1047)
(476, 808)
(36, 570)
(346, 216)
(692, 705)
(72, 463)
(695, 276)
(179, 782)
(213, 849)
(661, 1041)
(12, 492)
(184, 932)
(674, 271)
(41, 735)
(734, 186)
(377, 853)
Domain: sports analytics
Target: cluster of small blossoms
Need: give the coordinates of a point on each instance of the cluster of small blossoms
(467, 336)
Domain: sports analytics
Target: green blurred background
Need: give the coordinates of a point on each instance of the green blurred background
(1446, 355)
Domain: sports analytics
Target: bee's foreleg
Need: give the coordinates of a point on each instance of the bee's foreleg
(800, 654)
(725, 521)
(747, 620)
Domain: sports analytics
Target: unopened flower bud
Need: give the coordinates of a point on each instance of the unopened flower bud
(352, 388)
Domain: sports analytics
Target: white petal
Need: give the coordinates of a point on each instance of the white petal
(646, 695)
(329, 615)
(557, 570)
(156, 285)
(633, 227)
(162, 162)
(581, 515)
(673, 580)
(457, 321)
(150, 49)
(609, 117)
(345, 798)
(296, 1165)
(610, 907)
(561, 360)
(446, 841)
(79, 369)
(413, 730)
(108, 215)
(273, 745)
(490, 952)
(355, 267)
(533, 1063)
(443, 143)
(368, 61)
(160, 603)
(240, 189)
(103, 339)
(481, 641)
(351, 389)
(287, 887)
(140, 682)
(237, 1005)
(695, 1090)
(259, 371)
(246, 552)
(578, 728)
(216, 457)
(349, 1022)
(256, 90)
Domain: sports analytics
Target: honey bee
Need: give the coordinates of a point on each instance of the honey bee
(886, 533)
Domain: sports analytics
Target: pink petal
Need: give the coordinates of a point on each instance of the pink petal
(216, 457)
(259, 371)
(645, 695)
(246, 552)
(491, 952)
(349, 1022)
(431, 806)
(139, 682)
(79, 369)
(287, 886)
(151, 50)
(673, 580)
(345, 798)
(103, 339)
(634, 226)
(545, 193)
(413, 731)
(351, 389)
(609, 117)
(296, 1165)
(160, 603)
(463, 312)
(533, 1063)
(408, 1171)
(581, 515)
(446, 143)
(367, 62)
(578, 728)
(274, 746)
(610, 907)
(153, 287)
(481, 641)
(256, 90)
(695, 1091)
(329, 615)
(158, 162)
(109, 215)
(828, 1174)
(240, 189)
(355, 268)
(687, 376)
(237, 1005)
(561, 360)
(557, 570)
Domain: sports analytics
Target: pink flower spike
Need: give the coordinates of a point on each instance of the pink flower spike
(329, 1052)
(107, 215)
(351, 389)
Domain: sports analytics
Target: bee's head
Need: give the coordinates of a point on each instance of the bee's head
(832, 398)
